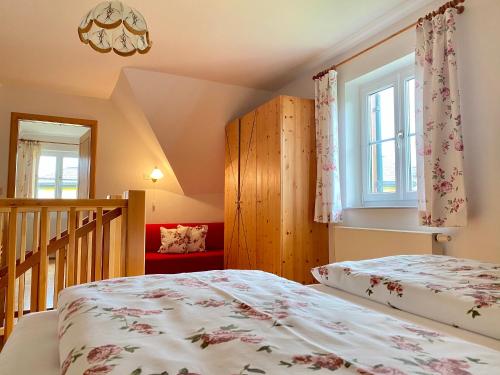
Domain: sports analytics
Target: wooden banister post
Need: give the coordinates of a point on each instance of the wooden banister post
(98, 244)
(70, 255)
(4, 236)
(36, 267)
(136, 228)
(115, 239)
(60, 261)
(44, 265)
(11, 272)
(22, 257)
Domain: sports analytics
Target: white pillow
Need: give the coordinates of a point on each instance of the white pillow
(173, 240)
(195, 237)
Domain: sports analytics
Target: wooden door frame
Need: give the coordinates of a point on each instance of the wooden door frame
(15, 117)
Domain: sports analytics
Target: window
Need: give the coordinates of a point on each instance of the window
(388, 156)
(57, 175)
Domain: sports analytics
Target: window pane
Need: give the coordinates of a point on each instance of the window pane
(381, 113)
(413, 164)
(382, 167)
(47, 167)
(70, 168)
(69, 189)
(410, 94)
(46, 189)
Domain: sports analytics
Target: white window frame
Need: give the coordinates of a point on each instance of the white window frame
(403, 197)
(59, 155)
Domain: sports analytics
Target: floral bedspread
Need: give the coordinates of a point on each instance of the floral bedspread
(460, 292)
(244, 322)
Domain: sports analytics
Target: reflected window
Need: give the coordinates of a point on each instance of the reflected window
(57, 175)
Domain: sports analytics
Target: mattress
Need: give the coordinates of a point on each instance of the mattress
(440, 327)
(33, 346)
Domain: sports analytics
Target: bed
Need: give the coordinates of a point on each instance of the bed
(460, 292)
(235, 322)
(46, 356)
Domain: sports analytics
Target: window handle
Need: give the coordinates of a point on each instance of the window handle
(399, 138)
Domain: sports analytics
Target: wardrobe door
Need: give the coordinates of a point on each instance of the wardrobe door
(231, 226)
(305, 243)
(247, 206)
(268, 213)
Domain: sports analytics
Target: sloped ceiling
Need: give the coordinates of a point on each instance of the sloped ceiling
(188, 117)
(253, 43)
(124, 99)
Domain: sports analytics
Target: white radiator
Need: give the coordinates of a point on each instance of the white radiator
(366, 243)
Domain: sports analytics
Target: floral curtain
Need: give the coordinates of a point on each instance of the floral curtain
(28, 155)
(328, 206)
(441, 191)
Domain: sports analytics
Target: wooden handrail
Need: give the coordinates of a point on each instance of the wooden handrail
(61, 204)
(33, 258)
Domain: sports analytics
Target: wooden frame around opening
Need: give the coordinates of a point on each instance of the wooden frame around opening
(14, 137)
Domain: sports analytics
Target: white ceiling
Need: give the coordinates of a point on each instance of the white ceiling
(253, 43)
(34, 129)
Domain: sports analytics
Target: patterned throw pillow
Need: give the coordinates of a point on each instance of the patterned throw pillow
(173, 240)
(195, 237)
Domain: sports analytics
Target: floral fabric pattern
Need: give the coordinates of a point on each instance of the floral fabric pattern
(173, 240)
(440, 150)
(328, 204)
(195, 237)
(272, 326)
(459, 292)
(28, 157)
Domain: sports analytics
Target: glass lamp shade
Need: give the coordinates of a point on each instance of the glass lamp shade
(156, 175)
(112, 25)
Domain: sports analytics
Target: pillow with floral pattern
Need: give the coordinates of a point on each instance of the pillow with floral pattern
(173, 240)
(195, 237)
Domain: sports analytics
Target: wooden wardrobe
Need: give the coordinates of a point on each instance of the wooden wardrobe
(270, 177)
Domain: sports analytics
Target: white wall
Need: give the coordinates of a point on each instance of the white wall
(126, 153)
(188, 116)
(479, 73)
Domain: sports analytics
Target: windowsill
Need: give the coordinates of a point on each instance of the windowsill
(380, 207)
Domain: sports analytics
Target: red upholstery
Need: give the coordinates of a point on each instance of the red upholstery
(191, 262)
(211, 259)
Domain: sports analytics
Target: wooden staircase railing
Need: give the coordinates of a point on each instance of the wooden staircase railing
(92, 239)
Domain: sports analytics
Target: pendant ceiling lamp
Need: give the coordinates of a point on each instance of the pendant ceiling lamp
(112, 25)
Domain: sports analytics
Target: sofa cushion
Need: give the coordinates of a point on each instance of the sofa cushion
(214, 239)
(195, 237)
(189, 262)
(173, 240)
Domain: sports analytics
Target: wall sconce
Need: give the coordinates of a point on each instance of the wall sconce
(156, 174)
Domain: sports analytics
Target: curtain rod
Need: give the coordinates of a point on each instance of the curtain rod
(450, 4)
(54, 143)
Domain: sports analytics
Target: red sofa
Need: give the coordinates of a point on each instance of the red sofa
(211, 259)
